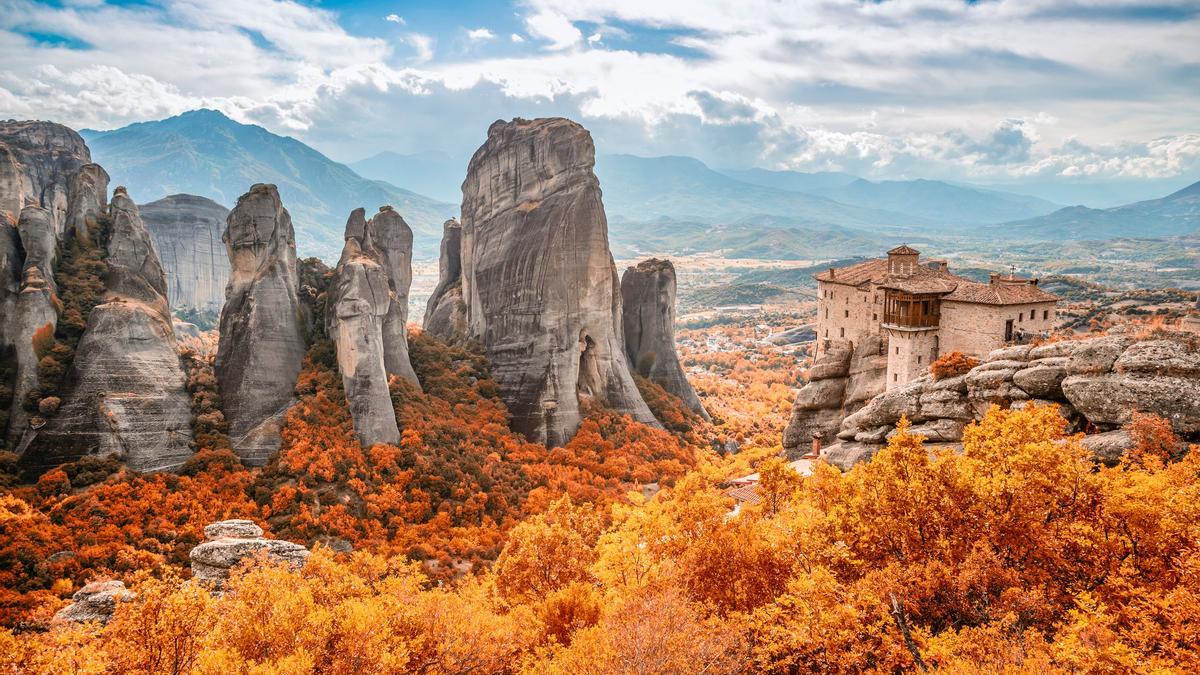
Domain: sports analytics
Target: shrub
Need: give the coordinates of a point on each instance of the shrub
(952, 365)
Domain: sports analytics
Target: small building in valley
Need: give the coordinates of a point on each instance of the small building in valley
(923, 310)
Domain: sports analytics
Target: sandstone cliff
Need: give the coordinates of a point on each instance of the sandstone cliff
(539, 283)
(358, 306)
(1098, 384)
(445, 313)
(262, 336)
(391, 238)
(648, 306)
(187, 233)
(37, 161)
(125, 390)
(842, 380)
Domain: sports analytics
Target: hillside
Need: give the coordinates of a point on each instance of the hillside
(940, 202)
(436, 174)
(761, 237)
(1176, 214)
(645, 188)
(203, 152)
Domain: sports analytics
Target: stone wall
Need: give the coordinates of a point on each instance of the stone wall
(846, 312)
(978, 329)
(909, 354)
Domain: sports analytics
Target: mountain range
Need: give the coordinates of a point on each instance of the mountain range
(655, 204)
(205, 153)
(1176, 214)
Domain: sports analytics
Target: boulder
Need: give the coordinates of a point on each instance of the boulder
(845, 455)
(229, 542)
(1062, 348)
(1011, 353)
(947, 404)
(833, 362)
(648, 318)
(359, 304)
(97, 601)
(1043, 379)
(1110, 399)
(1096, 355)
(237, 529)
(1108, 447)
(262, 335)
(1159, 357)
(888, 407)
(392, 239)
(539, 283)
(187, 235)
(867, 373)
(937, 431)
(445, 313)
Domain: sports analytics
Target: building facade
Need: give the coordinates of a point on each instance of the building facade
(923, 310)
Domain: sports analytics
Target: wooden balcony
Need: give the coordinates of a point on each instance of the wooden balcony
(904, 310)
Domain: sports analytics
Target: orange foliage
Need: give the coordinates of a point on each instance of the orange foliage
(952, 365)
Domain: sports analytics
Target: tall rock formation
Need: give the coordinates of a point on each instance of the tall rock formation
(37, 161)
(262, 336)
(87, 197)
(445, 313)
(841, 381)
(45, 180)
(392, 239)
(539, 282)
(187, 232)
(648, 304)
(359, 303)
(125, 390)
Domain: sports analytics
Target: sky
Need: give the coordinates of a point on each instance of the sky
(989, 91)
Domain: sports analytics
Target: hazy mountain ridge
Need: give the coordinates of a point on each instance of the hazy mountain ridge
(1175, 214)
(202, 152)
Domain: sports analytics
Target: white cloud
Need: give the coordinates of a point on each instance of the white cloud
(927, 87)
(554, 28)
(396, 18)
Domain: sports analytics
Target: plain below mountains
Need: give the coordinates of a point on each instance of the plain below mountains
(205, 153)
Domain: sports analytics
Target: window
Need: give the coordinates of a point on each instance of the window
(826, 332)
(897, 351)
(895, 377)
(847, 314)
(918, 359)
(826, 312)
(1021, 317)
(1045, 315)
(1032, 314)
(842, 332)
(874, 317)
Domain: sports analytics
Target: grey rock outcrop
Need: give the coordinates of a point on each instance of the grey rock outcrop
(87, 199)
(125, 390)
(539, 283)
(392, 240)
(37, 161)
(445, 313)
(1098, 384)
(648, 319)
(841, 380)
(96, 601)
(232, 541)
(187, 233)
(358, 307)
(262, 335)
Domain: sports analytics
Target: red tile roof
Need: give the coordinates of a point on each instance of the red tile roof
(1001, 292)
(872, 271)
(931, 280)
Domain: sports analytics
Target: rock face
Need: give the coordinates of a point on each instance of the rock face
(392, 240)
(37, 161)
(187, 233)
(94, 602)
(842, 379)
(445, 313)
(230, 542)
(1098, 383)
(538, 279)
(648, 311)
(125, 389)
(262, 336)
(46, 180)
(358, 308)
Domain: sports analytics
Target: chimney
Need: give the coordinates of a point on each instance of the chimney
(831, 273)
(816, 446)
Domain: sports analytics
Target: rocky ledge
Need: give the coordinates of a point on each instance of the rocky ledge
(229, 542)
(1098, 384)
